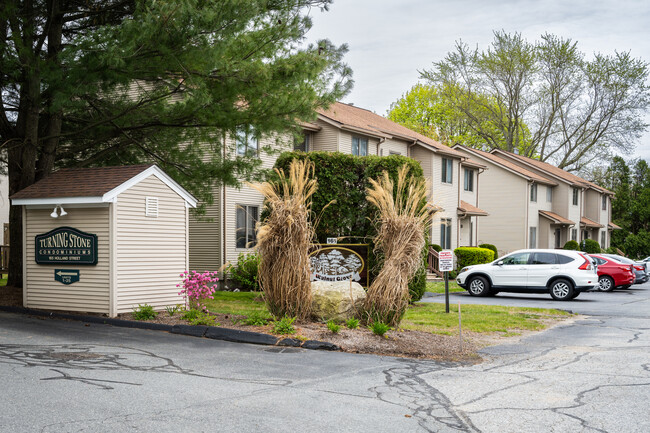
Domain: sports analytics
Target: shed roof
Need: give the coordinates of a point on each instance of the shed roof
(471, 210)
(557, 219)
(584, 221)
(92, 185)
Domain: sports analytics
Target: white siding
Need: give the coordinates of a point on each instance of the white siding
(327, 139)
(396, 146)
(446, 196)
(91, 292)
(151, 252)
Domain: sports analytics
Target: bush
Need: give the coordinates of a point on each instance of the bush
(144, 312)
(491, 247)
(256, 319)
(379, 328)
(352, 323)
(197, 287)
(284, 326)
(611, 250)
(436, 247)
(418, 283)
(572, 245)
(244, 273)
(590, 246)
(468, 256)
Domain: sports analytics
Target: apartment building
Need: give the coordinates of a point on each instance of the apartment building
(533, 204)
(229, 229)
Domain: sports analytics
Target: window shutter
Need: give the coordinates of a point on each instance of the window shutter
(151, 207)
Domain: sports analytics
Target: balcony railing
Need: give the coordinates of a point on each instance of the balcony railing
(432, 262)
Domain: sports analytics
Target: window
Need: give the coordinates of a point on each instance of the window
(563, 260)
(604, 206)
(533, 192)
(574, 235)
(603, 239)
(532, 239)
(549, 194)
(575, 196)
(245, 231)
(359, 146)
(447, 170)
(543, 259)
(392, 152)
(151, 207)
(445, 233)
(516, 259)
(303, 144)
(247, 144)
(469, 179)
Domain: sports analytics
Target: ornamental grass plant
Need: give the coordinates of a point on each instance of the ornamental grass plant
(402, 219)
(284, 238)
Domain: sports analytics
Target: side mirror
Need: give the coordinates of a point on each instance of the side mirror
(499, 263)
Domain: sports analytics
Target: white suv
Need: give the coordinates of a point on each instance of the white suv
(562, 273)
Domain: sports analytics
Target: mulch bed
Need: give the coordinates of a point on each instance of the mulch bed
(402, 343)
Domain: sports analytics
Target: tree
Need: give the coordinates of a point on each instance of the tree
(109, 82)
(578, 111)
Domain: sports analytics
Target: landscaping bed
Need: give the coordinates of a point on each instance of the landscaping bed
(425, 332)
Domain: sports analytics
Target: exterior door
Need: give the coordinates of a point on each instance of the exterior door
(513, 272)
(542, 267)
(558, 238)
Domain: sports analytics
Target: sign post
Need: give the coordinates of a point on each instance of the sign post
(446, 264)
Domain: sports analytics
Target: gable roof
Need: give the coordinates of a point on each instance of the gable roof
(508, 165)
(552, 170)
(365, 121)
(93, 185)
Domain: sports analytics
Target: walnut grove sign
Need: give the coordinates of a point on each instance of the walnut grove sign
(66, 245)
(342, 262)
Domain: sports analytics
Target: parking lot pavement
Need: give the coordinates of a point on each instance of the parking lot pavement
(591, 375)
(632, 302)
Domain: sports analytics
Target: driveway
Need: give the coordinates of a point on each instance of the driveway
(592, 375)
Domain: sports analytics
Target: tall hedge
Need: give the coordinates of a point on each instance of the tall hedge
(572, 245)
(467, 256)
(491, 247)
(343, 178)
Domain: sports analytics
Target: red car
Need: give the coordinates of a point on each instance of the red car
(612, 274)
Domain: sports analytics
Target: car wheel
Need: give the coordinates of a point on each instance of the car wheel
(575, 294)
(561, 290)
(605, 283)
(478, 286)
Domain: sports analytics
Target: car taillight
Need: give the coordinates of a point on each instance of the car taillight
(586, 266)
(638, 268)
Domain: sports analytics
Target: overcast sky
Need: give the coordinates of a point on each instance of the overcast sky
(390, 40)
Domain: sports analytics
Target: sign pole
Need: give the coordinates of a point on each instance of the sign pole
(446, 292)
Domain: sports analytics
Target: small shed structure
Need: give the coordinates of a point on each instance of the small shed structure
(117, 238)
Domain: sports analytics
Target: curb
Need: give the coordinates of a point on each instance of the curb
(211, 332)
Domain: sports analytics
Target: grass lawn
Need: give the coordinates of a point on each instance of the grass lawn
(238, 303)
(3, 280)
(439, 287)
(426, 317)
(477, 318)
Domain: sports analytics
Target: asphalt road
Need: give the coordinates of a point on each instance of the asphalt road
(592, 375)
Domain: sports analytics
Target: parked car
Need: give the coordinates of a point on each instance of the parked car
(613, 274)
(639, 268)
(564, 274)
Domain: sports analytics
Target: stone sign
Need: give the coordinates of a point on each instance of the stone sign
(66, 245)
(343, 262)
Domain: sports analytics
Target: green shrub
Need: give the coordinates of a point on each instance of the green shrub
(611, 250)
(333, 326)
(590, 246)
(173, 310)
(572, 245)
(491, 247)
(418, 283)
(244, 273)
(467, 256)
(256, 319)
(144, 312)
(203, 318)
(191, 314)
(379, 328)
(352, 323)
(284, 326)
(436, 247)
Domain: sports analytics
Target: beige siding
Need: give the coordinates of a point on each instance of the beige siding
(91, 292)
(205, 236)
(151, 252)
(592, 205)
(446, 196)
(574, 211)
(425, 158)
(327, 139)
(395, 146)
(345, 142)
(562, 200)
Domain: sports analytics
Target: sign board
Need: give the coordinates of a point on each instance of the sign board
(446, 260)
(66, 245)
(332, 240)
(343, 262)
(66, 276)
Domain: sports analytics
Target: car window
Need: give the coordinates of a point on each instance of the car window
(599, 260)
(543, 259)
(563, 260)
(516, 259)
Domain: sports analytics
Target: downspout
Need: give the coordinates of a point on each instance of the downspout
(223, 216)
(408, 149)
(478, 173)
(457, 206)
(381, 140)
(526, 225)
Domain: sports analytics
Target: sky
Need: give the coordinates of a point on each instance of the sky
(391, 40)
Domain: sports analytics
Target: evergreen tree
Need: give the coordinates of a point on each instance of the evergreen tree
(107, 82)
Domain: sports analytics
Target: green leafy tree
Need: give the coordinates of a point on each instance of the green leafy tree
(578, 111)
(108, 82)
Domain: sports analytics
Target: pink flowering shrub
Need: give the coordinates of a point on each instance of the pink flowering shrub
(197, 287)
